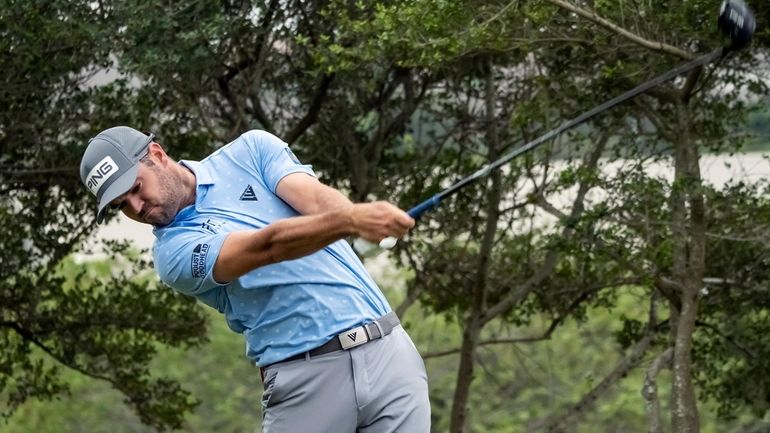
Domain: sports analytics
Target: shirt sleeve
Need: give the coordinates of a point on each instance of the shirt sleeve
(274, 158)
(184, 259)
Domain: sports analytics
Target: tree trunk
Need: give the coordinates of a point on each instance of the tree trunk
(472, 332)
(688, 228)
(650, 390)
(684, 417)
(464, 376)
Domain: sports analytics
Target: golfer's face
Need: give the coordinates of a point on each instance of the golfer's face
(147, 200)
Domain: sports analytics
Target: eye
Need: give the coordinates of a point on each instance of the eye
(134, 190)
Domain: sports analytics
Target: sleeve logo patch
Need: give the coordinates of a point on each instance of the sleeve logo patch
(292, 156)
(198, 264)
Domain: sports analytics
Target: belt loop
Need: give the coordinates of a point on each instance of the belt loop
(307, 356)
(379, 328)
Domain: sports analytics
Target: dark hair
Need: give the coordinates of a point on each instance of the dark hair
(146, 160)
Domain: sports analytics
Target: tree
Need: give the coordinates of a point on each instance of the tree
(455, 271)
(104, 327)
(395, 99)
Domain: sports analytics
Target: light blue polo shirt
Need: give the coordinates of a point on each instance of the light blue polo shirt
(284, 308)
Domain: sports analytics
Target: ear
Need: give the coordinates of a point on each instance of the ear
(158, 155)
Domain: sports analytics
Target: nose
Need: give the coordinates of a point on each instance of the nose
(133, 204)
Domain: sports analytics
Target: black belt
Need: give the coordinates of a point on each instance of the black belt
(351, 338)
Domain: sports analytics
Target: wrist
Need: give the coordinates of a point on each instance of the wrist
(346, 218)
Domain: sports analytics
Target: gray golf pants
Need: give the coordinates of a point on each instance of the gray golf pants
(378, 387)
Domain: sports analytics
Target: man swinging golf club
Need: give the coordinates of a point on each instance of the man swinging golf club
(250, 231)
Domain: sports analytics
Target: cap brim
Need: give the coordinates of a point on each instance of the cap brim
(119, 187)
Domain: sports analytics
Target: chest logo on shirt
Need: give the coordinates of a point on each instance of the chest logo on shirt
(212, 226)
(248, 194)
(198, 262)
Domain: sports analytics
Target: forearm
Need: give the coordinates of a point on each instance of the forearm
(286, 239)
(296, 237)
(299, 236)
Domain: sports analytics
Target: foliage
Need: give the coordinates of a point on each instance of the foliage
(392, 99)
(732, 350)
(518, 386)
(226, 386)
(106, 325)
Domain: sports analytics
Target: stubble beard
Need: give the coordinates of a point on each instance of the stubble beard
(173, 199)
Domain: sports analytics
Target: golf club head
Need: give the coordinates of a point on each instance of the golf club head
(736, 21)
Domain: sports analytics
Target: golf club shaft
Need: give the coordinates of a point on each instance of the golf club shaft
(434, 201)
(735, 20)
(429, 204)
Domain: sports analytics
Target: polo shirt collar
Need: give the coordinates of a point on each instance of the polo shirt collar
(202, 175)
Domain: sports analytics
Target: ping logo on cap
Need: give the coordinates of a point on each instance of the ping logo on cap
(100, 173)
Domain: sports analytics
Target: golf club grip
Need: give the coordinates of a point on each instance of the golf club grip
(364, 247)
(417, 211)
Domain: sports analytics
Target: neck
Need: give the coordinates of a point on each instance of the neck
(188, 185)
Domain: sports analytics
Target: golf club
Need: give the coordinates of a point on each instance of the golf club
(735, 20)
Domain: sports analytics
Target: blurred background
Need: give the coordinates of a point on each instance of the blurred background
(615, 280)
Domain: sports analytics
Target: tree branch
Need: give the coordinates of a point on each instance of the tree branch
(29, 336)
(654, 119)
(561, 424)
(593, 17)
(727, 338)
(552, 256)
(417, 286)
(232, 71)
(10, 171)
(312, 112)
(546, 335)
